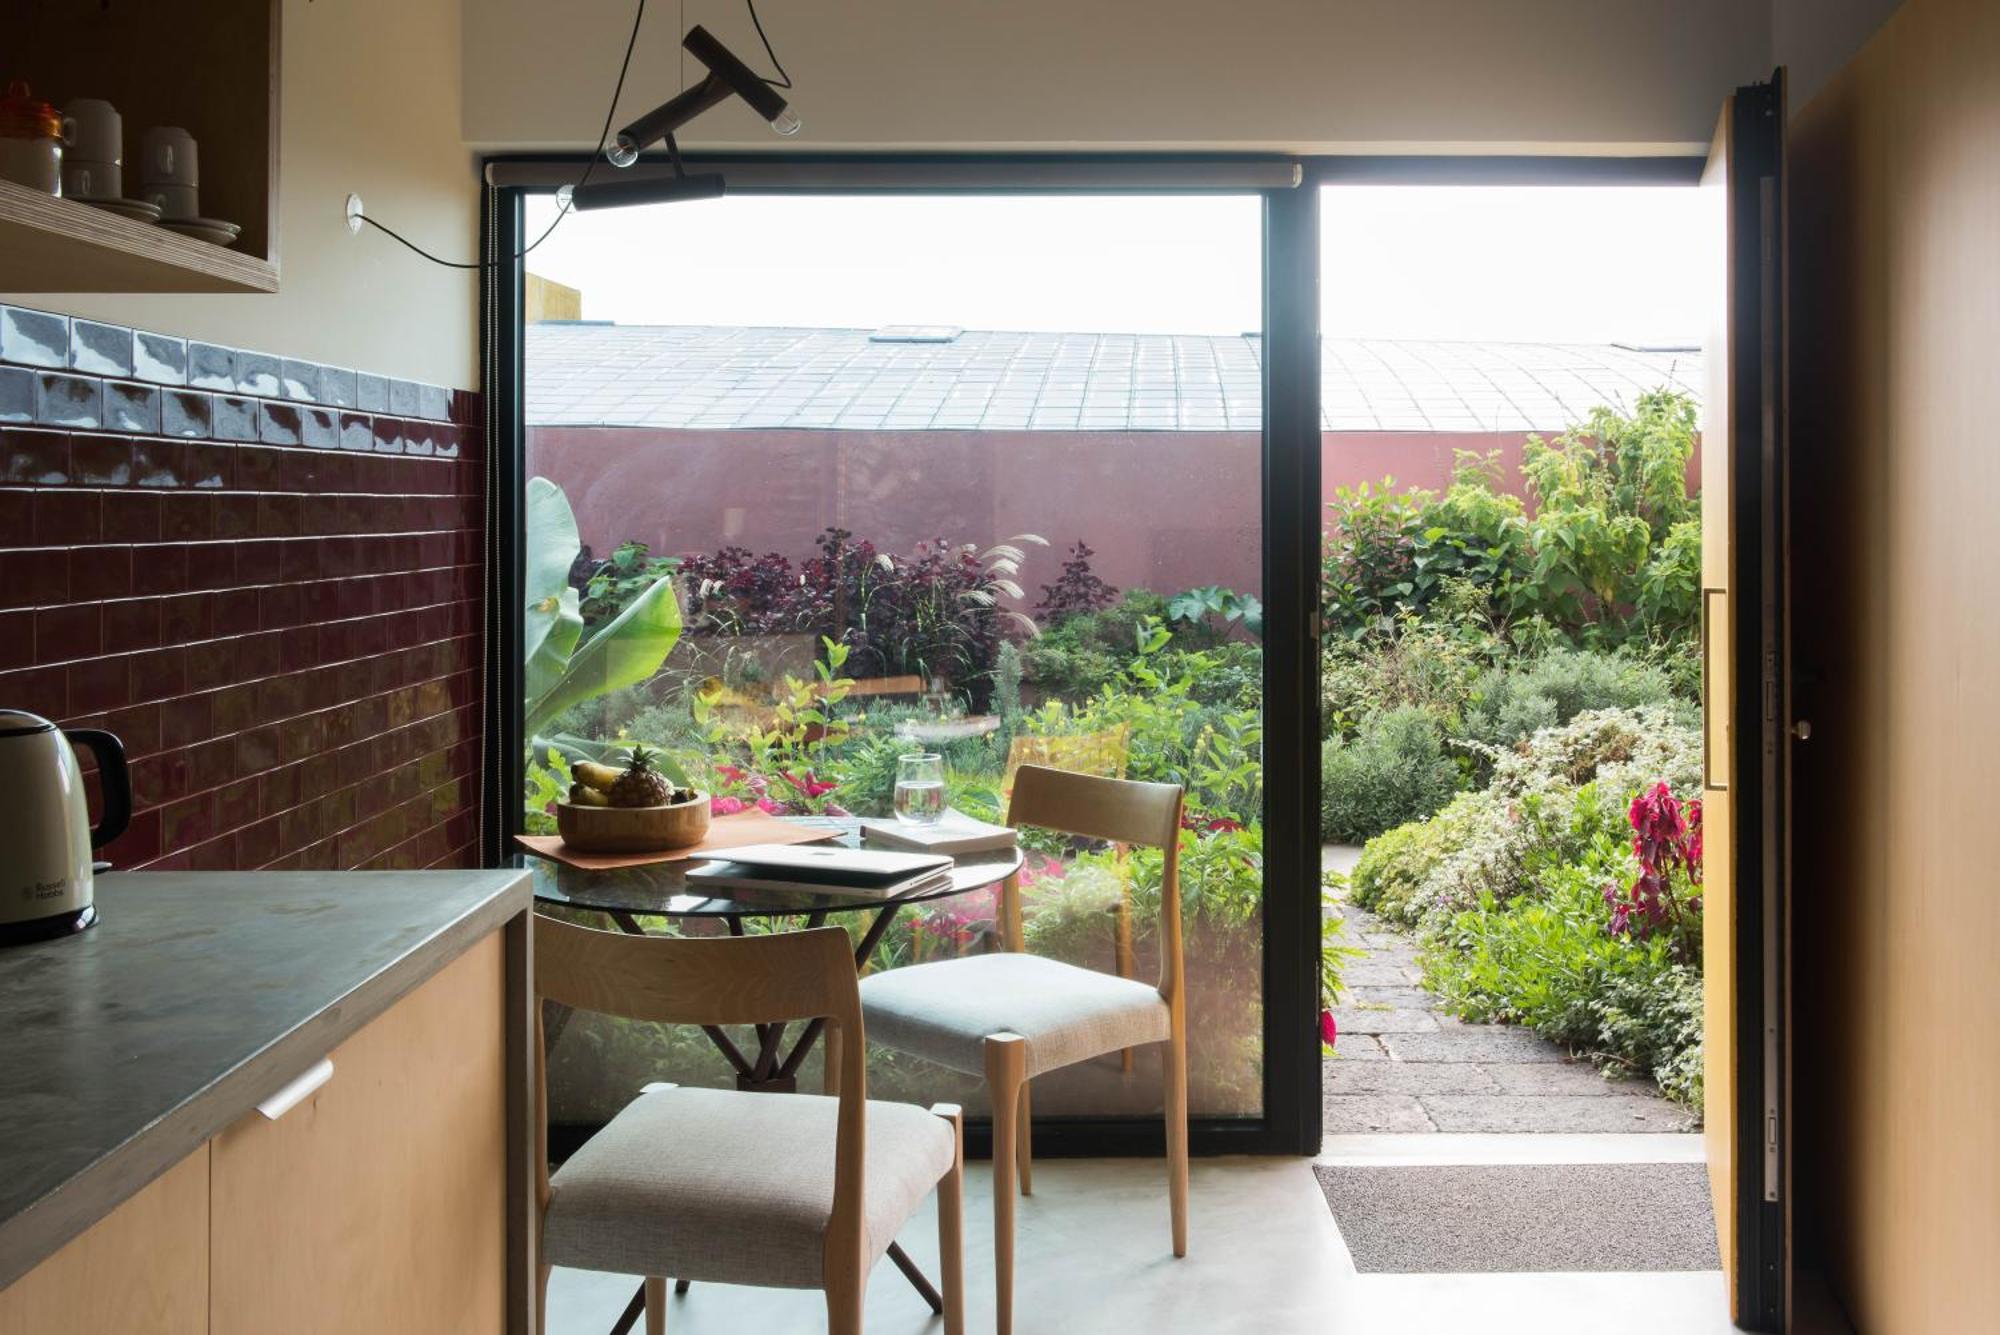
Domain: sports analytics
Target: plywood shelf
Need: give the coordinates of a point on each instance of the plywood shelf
(58, 245)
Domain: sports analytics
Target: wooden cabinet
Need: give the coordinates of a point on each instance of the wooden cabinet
(143, 1267)
(208, 66)
(379, 1203)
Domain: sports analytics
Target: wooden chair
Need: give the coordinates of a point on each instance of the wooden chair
(1012, 1016)
(776, 1190)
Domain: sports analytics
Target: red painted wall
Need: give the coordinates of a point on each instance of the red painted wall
(1166, 510)
(285, 637)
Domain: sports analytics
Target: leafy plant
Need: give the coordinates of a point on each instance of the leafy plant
(1665, 896)
(564, 668)
(1076, 591)
(1395, 770)
(613, 584)
(1195, 606)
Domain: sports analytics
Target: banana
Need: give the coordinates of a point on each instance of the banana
(591, 775)
(581, 795)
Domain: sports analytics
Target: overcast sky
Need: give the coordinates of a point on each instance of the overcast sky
(1586, 264)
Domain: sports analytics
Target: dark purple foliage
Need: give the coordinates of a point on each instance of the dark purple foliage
(1076, 591)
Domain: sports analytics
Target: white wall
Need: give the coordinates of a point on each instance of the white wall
(370, 93)
(1627, 76)
(1814, 38)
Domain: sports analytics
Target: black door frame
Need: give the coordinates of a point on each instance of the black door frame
(1292, 1114)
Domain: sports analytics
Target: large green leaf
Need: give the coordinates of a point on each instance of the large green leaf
(628, 650)
(553, 621)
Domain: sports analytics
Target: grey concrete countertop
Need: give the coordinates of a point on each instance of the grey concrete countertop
(125, 1048)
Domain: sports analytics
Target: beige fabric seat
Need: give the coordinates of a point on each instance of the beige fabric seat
(943, 1012)
(713, 1184)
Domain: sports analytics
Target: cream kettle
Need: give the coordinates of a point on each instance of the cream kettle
(46, 838)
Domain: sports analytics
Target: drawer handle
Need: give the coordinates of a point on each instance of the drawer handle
(298, 1091)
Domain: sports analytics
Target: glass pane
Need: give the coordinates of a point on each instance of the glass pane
(971, 476)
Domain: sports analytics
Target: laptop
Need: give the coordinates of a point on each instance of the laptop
(827, 869)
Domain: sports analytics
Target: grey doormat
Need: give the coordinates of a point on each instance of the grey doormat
(1523, 1217)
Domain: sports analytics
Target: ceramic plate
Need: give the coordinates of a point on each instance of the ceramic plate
(132, 208)
(205, 229)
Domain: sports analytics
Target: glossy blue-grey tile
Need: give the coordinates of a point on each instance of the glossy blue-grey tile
(279, 424)
(418, 438)
(434, 402)
(234, 418)
(159, 358)
(300, 380)
(67, 400)
(388, 436)
(33, 338)
(100, 349)
(403, 398)
(371, 393)
(320, 428)
(17, 394)
(357, 431)
(131, 407)
(186, 413)
(257, 373)
(211, 367)
(336, 387)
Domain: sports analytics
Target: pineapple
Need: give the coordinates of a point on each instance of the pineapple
(641, 785)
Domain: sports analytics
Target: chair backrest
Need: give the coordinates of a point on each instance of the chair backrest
(1104, 753)
(1123, 811)
(805, 975)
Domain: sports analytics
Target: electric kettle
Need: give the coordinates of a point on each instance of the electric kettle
(46, 836)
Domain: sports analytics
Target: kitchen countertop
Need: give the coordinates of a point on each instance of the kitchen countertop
(199, 994)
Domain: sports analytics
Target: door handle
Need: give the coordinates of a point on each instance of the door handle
(297, 1091)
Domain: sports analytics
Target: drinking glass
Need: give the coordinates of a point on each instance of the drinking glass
(920, 788)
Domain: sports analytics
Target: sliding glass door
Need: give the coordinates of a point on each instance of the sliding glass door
(977, 476)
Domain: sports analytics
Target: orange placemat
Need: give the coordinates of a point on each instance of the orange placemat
(737, 831)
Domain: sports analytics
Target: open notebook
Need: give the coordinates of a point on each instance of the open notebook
(862, 873)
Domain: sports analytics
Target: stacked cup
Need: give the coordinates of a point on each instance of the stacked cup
(169, 172)
(93, 164)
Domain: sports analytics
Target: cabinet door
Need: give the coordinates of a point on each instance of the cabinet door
(379, 1203)
(143, 1267)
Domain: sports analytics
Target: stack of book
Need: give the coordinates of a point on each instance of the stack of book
(953, 833)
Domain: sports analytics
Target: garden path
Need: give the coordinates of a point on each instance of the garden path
(1403, 1065)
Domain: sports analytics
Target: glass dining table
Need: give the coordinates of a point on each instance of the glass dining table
(659, 894)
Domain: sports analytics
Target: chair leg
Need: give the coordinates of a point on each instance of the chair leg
(542, 1300)
(845, 1297)
(1177, 1139)
(656, 1306)
(1024, 1138)
(1006, 1073)
(951, 1222)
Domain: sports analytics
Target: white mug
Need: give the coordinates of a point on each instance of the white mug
(168, 158)
(173, 201)
(94, 131)
(83, 179)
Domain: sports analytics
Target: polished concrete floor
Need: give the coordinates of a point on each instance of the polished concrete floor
(1265, 1257)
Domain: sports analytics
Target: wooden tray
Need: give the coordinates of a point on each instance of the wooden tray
(724, 832)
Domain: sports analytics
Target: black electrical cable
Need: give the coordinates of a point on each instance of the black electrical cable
(603, 138)
(783, 80)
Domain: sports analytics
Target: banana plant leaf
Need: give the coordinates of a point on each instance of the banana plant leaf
(562, 669)
(553, 622)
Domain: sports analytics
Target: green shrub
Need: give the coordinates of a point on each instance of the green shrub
(1508, 705)
(1431, 662)
(1390, 876)
(1396, 770)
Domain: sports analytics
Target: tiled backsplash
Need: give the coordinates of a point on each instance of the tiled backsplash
(263, 575)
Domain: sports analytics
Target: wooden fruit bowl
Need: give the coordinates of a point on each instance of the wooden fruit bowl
(633, 829)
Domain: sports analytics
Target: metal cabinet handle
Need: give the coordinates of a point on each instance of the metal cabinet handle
(298, 1091)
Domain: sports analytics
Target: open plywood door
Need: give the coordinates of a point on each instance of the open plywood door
(1746, 710)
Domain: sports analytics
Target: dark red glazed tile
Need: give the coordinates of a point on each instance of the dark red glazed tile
(99, 573)
(161, 569)
(131, 623)
(67, 518)
(97, 684)
(101, 461)
(158, 674)
(34, 458)
(65, 633)
(131, 516)
(187, 517)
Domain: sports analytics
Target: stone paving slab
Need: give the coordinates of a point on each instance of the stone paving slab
(1356, 1048)
(1378, 972)
(1360, 1113)
(1575, 1079)
(1560, 1114)
(1387, 1020)
(1416, 1078)
(1473, 1043)
(1403, 996)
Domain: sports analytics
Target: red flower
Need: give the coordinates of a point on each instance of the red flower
(726, 806)
(808, 783)
(1329, 1031)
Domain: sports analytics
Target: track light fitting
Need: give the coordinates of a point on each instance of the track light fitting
(726, 75)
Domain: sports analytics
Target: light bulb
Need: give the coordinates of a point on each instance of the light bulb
(563, 193)
(622, 153)
(785, 123)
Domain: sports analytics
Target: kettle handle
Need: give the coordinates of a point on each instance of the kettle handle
(113, 778)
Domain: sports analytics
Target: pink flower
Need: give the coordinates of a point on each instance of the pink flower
(1329, 1031)
(726, 806)
(809, 784)
(770, 806)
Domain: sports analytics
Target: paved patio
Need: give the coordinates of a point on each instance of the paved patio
(1403, 1065)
